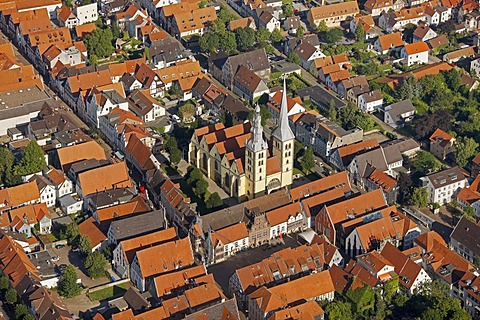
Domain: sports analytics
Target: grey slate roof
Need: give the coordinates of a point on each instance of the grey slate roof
(467, 233)
(216, 311)
(137, 225)
(399, 108)
(446, 177)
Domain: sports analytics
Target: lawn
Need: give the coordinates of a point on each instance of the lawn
(110, 292)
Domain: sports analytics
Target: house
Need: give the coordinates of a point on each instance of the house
(67, 156)
(415, 53)
(70, 204)
(100, 103)
(266, 19)
(375, 179)
(116, 125)
(86, 13)
(399, 113)
(228, 241)
(291, 24)
(135, 206)
(66, 18)
(366, 23)
(300, 261)
(160, 259)
(332, 14)
(442, 186)
(46, 188)
(441, 144)
(166, 285)
(91, 230)
(376, 7)
(388, 42)
(31, 215)
(124, 252)
(394, 80)
(265, 301)
(370, 101)
(144, 106)
(195, 22)
(248, 85)
(459, 54)
(308, 53)
(182, 75)
(438, 14)
(463, 239)
(397, 20)
(295, 105)
(103, 178)
(423, 34)
(329, 219)
(17, 196)
(309, 309)
(243, 23)
(227, 309)
(146, 79)
(475, 166)
(60, 182)
(411, 275)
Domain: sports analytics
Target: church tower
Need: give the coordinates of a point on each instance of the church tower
(256, 159)
(283, 140)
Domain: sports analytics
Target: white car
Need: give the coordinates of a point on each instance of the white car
(54, 259)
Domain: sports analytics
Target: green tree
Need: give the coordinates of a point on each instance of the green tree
(338, 310)
(276, 35)
(245, 38)
(72, 232)
(404, 187)
(20, 311)
(227, 42)
(363, 299)
(360, 33)
(99, 42)
(201, 187)
(419, 197)
(264, 114)
(175, 156)
(33, 160)
(322, 26)
(410, 88)
(194, 174)
(465, 149)
(469, 213)
(333, 35)
(11, 296)
(84, 244)
(67, 284)
(116, 32)
(209, 42)
(186, 111)
(332, 111)
(308, 161)
(28, 316)
(7, 160)
(453, 79)
(225, 15)
(425, 162)
(476, 262)
(4, 285)
(300, 32)
(288, 9)
(93, 59)
(95, 265)
(214, 201)
(203, 4)
(262, 36)
(293, 58)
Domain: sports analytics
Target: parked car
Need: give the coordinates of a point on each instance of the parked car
(62, 267)
(54, 259)
(60, 246)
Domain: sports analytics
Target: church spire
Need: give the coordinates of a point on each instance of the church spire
(283, 132)
(257, 142)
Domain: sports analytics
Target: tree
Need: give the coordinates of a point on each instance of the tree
(322, 26)
(300, 32)
(11, 296)
(175, 156)
(245, 38)
(28, 316)
(4, 285)
(425, 162)
(209, 42)
(93, 59)
(424, 126)
(33, 160)
(308, 161)
(333, 36)
(465, 149)
(288, 9)
(262, 36)
(84, 244)
(99, 42)
(203, 4)
(72, 232)
(187, 111)
(67, 284)
(7, 160)
(293, 58)
(95, 265)
(338, 310)
(227, 42)
(20, 311)
(410, 88)
(194, 174)
(453, 79)
(276, 35)
(264, 114)
(201, 187)
(419, 197)
(332, 111)
(469, 213)
(360, 33)
(214, 201)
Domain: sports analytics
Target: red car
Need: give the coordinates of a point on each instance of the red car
(295, 11)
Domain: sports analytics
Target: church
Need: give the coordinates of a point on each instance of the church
(241, 160)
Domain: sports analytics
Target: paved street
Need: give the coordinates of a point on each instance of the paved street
(222, 271)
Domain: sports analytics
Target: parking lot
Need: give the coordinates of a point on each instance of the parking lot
(223, 270)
